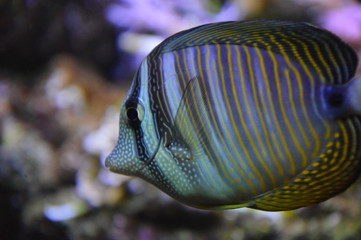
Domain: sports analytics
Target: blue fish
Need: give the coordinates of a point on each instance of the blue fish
(258, 114)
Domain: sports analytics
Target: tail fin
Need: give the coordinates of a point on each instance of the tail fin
(353, 95)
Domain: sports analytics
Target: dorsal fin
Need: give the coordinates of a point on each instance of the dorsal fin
(301, 42)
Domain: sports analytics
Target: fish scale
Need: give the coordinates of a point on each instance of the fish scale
(259, 114)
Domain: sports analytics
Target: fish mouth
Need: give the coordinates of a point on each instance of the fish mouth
(113, 162)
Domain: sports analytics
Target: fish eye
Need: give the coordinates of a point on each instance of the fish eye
(132, 114)
(134, 111)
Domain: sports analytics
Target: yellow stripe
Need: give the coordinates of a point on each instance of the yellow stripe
(240, 114)
(312, 60)
(210, 140)
(343, 164)
(182, 82)
(180, 70)
(186, 63)
(331, 58)
(163, 105)
(312, 81)
(285, 118)
(350, 141)
(293, 107)
(225, 97)
(345, 144)
(290, 96)
(254, 94)
(179, 73)
(266, 111)
(354, 143)
(308, 54)
(323, 61)
(307, 71)
(206, 121)
(175, 82)
(225, 162)
(277, 146)
(344, 65)
(230, 111)
(271, 107)
(301, 91)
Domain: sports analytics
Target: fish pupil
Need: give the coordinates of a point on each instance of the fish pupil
(132, 114)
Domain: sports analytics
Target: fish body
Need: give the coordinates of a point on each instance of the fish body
(259, 114)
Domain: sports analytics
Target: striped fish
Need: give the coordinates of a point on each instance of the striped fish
(258, 114)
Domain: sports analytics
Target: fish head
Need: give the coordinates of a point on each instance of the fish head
(138, 140)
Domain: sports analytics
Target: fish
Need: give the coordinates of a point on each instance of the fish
(259, 114)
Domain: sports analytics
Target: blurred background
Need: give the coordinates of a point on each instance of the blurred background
(65, 67)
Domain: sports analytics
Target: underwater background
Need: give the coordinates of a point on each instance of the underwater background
(65, 68)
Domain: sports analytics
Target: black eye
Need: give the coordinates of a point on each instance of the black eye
(132, 114)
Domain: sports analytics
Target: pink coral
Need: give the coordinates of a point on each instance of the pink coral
(344, 22)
